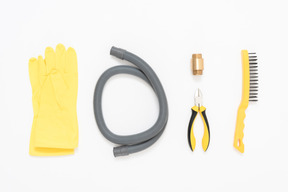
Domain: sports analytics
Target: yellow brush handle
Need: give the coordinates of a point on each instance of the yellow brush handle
(239, 134)
(238, 138)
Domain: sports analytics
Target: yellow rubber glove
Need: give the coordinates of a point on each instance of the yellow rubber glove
(54, 84)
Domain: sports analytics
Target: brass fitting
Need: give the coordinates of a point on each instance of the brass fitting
(197, 64)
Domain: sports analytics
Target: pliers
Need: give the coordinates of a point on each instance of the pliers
(201, 109)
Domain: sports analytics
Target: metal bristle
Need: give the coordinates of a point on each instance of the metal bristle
(253, 67)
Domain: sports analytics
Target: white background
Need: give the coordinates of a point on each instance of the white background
(165, 34)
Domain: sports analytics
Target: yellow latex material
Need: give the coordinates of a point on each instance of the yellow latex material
(54, 83)
(239, 134)
(206, 136)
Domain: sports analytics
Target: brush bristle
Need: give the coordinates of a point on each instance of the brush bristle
(253, 64)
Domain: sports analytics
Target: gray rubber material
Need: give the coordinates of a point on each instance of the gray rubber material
(140, 141)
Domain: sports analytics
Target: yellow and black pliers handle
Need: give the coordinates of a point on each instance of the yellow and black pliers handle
(206, 137)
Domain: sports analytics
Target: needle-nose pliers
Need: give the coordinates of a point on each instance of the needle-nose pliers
(201, 109)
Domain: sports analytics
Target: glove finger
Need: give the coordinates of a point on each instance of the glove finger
(71, 61)
(50, 59)
(60, 57)
(42, 70)
(34, 74)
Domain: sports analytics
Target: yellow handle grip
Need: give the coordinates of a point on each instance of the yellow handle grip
(239, 134)
(206, 136)
(191, 137)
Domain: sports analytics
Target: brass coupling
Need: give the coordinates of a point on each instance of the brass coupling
(197, 64)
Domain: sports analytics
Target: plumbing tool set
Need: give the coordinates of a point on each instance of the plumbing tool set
(54, 82)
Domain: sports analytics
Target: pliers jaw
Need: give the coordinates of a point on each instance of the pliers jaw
(198, 99)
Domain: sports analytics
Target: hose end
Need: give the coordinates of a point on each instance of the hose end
(117, 52)
(120, 151)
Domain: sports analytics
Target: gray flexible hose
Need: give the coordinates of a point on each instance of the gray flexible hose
(137, 142)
